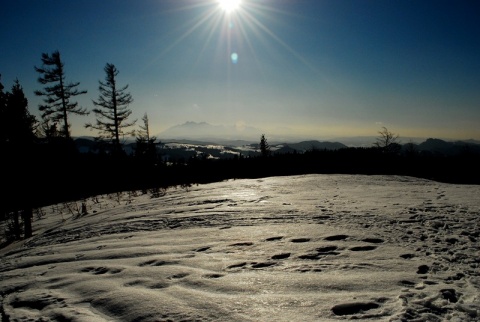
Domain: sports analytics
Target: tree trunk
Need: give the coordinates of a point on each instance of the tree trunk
(27, 220)
(16, 225)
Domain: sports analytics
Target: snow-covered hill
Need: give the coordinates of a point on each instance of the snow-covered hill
(299, 248)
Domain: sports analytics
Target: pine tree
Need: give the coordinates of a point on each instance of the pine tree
(3, 111)
(145, 144)
(57, 92)
(112, 109)
(48, 131)
(20, 125)
(4, 206)
(264, 147)
(2, 94)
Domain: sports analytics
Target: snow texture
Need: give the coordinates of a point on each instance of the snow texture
(296, 248)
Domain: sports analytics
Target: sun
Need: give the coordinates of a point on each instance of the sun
(229, 5)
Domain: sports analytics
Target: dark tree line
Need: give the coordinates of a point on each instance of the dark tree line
(42, 165)
(41, 162)
(18, 140)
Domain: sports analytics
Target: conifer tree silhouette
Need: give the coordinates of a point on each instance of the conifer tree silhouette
(20, 125)
(112, 109)
(57, 92)
(264, 147)
(145, 143)
(18, 139)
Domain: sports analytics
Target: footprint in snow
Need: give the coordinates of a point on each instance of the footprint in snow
(423, 269)
(281, 256)
(300, 240)
(373, 240)
(214, 275)
(274, 238)
(407, 256)
(101, 270)
(157, 262)
(336, 237)
(354, 308)
(202, 249)
(179, 276)
(362, 248)
(263, 264)
(242, 244)
(243, 264)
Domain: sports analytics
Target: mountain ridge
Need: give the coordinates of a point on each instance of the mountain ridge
(228, 148)
(224, 141)
(206, 132)
(203, 131)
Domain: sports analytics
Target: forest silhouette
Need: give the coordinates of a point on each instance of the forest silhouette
(43, 166)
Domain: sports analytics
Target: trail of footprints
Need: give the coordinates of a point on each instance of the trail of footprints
(315, 254)
(274, 260)
(361, 309)
(313, 261)
(332, 246)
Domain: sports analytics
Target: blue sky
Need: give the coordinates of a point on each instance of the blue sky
(312, 68)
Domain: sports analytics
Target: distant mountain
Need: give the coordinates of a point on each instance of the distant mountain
(471, 141)
(368, 141)
(224, 148)
(207, 132)
(438, 146)
(308, 145)
(435, 145)
(85, 144)
(229, 143)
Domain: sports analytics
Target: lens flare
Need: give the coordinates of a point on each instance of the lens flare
(234, 58)
(233, 25)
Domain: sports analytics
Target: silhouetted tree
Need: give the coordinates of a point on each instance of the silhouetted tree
(410, 149)
(145, 144)
(27, 216)
(144, 132)
(3, 118)
(19, 126)
(264, 147)
(3, 140)
(48, 131)
(388, 141)
(57, 92)
(112, 109)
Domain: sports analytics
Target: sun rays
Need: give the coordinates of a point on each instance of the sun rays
(237, 28)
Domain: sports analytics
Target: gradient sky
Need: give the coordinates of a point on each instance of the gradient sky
(315, 68)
